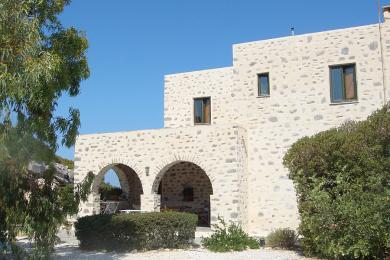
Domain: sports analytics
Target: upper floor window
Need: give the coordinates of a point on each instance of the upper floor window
(343, 83)
(202, 111)
(263, 84)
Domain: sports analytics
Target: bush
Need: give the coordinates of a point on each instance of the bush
(109, 192)
(342, 179)
(125, 232)
(229, 238)
(282, 238)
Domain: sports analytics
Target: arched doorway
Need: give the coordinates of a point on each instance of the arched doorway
(184, 186)
(109, 199)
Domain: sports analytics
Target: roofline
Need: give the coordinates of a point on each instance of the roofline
(198, 71)
(305, 34)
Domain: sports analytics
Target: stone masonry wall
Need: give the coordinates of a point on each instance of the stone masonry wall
(181, 89)
(299, 105)
(385, 28)
(242, 154)
(149, 153)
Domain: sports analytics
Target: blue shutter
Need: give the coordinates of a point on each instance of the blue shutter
(337, 90)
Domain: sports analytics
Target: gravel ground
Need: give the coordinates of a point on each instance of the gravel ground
(65, 251)
(68, 249)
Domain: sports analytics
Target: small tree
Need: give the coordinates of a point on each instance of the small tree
(40, 60)
(342, 179)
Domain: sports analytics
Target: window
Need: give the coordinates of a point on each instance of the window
(343, 83)
(263, 84)
(202, 113)
(188, 194)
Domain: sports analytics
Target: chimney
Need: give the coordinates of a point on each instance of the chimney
(386, 13)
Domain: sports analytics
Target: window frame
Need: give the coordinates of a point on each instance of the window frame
(194, 109)
(344, 100)
(259, 75)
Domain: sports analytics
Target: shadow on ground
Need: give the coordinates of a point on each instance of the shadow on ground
(66, 251)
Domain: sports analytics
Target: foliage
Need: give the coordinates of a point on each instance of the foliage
(125, 232)
(68, 163)
(108, 192)
(282, 238)
(229, 238)
(342, 178)
(40, 61)
(35, 202)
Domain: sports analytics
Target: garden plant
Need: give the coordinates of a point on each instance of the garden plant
(229, 237)
(342, 179)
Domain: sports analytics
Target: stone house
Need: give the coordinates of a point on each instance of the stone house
(226, 130)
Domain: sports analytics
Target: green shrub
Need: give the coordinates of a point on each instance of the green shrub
(109, 192)
(342, 179)
(229, 238)
(125, 232)
(282, 238)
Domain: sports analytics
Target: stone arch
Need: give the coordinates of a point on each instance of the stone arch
(103, 164)
(184, 186)
(130, 183)
(177, 158)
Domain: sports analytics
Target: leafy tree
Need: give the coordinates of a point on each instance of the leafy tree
(40, 61)
(342, 178)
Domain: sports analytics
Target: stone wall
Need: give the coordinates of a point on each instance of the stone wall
(385, 47)
(151, 153)
(181, 89)
(242, 155)
(299, 105)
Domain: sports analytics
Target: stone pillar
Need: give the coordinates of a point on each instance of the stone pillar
(89, 207)
(150, 202)
(213, 211)
(123, 180)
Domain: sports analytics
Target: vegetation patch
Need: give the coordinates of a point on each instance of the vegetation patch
(109, 192)
(229, 238)
(146, 231)
(342, 179)
(283, 238)
(68, 163)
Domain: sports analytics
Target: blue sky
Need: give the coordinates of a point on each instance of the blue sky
(134, 43)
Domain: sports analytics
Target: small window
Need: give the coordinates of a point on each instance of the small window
(263, 84)
(202, 113)
(188, 194)
(343, 83)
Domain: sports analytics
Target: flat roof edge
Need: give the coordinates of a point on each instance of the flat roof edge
(305, 34)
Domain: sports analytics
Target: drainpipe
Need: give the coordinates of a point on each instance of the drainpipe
(386, 15)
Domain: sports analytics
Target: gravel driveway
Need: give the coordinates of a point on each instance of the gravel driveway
(71, 252)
